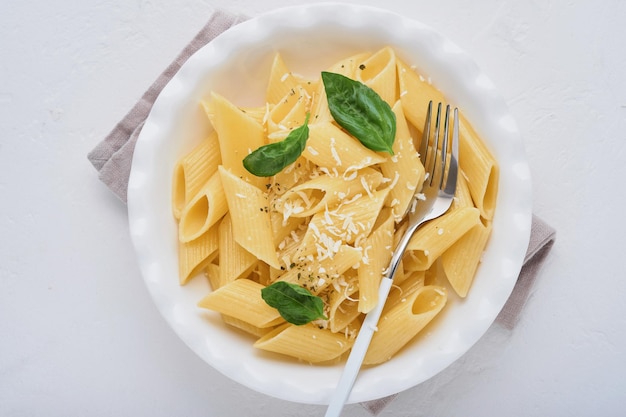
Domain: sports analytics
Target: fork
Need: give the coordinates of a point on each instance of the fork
(439, 155)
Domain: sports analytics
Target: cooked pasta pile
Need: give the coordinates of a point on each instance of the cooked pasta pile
(329, 221)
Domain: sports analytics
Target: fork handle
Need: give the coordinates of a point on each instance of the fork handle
(366, 332)
(357, 354)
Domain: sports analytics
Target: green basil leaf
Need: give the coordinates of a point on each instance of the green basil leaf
(361, 111)
(272, 158)
(294, 303)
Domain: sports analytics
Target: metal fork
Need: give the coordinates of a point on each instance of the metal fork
(439, 155)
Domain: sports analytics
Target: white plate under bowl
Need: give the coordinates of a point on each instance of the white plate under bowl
(236, 64)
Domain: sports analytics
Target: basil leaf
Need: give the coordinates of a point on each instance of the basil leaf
(272, 158)
(294, 303)
(361, 111)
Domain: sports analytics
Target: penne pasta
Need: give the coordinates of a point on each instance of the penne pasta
(308, 343)
(325, 225)
(235, 262)
(289, 112)
(460, 261)
(204, 210)
(194, 255)
(347, 223)
(252, 227)
(403, 322)
(377, 249)
(479, 168)
(336, 152)
(326, 191)
(238, 134)
(416, 92)
(241, 299)
(245, 326)
(281, 81)
(193, 171)
(212, 272)
(343, 306)
(379, 73)
(317, 274)
(434, 237)
(404, 167)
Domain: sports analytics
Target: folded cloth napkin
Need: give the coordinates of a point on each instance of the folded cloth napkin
(113, 158)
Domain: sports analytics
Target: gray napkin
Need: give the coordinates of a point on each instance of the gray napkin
(113, 158)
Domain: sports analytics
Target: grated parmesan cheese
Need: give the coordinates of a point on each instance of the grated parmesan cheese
(366, 187)
(334, 153)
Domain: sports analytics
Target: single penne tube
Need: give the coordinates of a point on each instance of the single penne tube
(281, 81)
(252, 227)
(194, 255)
(436, 236)
(245, 326)
(308, 343)
(242, 300)
(193, 171)
(204, 210)
(403, 322)
(238, 133)
(480, 169)
(461, 260)
(379, 73)
(416, 92)
(235, 262)
(377, 249)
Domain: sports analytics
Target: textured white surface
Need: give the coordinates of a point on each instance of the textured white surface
(80, 335)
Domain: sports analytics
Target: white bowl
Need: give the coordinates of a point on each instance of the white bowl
(236, 64)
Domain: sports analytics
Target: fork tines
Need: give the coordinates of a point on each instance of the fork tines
(439, 148)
